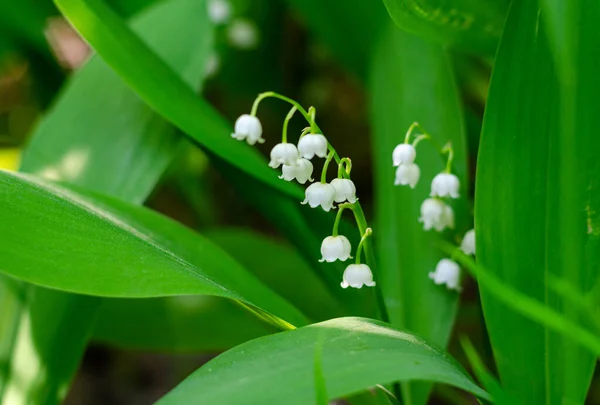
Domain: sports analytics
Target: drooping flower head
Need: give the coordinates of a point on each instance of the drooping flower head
(335, 248)
(248, 127)
(301, 171)
(357, 275)
(437, 215)
(345, 190)
(283, 154)
(447, 272)
(445, 185)
(468, 243)
(403, 154)
(407, 175)
(322, 194)
(311, 145)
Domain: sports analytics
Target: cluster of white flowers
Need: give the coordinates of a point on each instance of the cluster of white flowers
(435, 213)
(241, 33)
(295, 162)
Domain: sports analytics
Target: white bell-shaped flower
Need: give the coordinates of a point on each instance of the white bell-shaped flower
(248, 127)
(219, 11)
(407, 175)
(437, 215)
(404, 154)
(344, 190)
(301, 171)
(447, 272)
(283, 154)
(335, 248)
(445, 185)
(468, 243)
(311, 145)
(322, 194)
(357, 275)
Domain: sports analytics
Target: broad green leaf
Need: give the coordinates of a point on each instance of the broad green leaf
(210, 323)
(537, 198)
(330, 23)
(411, 80)
(357, 353)
(162, 90)
(176, 324)
(112, 143)
(118, 250)
(474, 25)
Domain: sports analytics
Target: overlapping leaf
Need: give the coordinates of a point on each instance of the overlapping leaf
(537, 194)
(356, 353)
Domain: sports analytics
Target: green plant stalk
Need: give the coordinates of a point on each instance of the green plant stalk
(359, 215)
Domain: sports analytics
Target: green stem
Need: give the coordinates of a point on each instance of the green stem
(450, 150)
(325, 166)
(268, 94)
(367, 233)
(286, 122)
(312, 113)
(410, 130)
(341, 209)
(420, 138)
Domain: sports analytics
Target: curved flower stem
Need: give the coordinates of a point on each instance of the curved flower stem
(345, 166)
(368, 232)
(286, 122)
(450, 150)
(410, 131)
(336, 224)
(326, 166)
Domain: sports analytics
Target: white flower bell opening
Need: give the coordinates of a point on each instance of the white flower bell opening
(335, 248)
(357, 275)
(447, 272)
(311, 145)
(437, 215)
(219, 11)
(283, 154)
(445, 185)
(248, 127)
(242, 34)
(407, 175)
(468, 243)
(322, 194)
(301, 171)
(404, 154)
(345, 190)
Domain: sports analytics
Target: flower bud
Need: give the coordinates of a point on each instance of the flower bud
(357, 275)
(248, 127)
(311, 145)
(445, 185)
(468, 243)
(335, 248)
(301, 171)
(447, 272)
(404, 154)
(344, 190)
(437, 215)
(283, 154)
(321, 194)
(407, 175)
